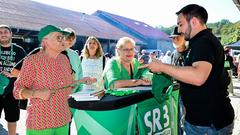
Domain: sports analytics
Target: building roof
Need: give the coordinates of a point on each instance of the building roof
(235, 45)
(237, 3)
(31, 15)
(138, 26)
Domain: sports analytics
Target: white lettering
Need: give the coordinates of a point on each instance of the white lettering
(166, 131)
(147, 122)
(166, 116)
(156, 119)
(157, 124)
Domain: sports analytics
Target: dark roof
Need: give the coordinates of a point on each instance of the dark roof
(138, 26)
(30, 15)
(235, 45)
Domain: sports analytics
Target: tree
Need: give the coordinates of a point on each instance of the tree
(228, 31)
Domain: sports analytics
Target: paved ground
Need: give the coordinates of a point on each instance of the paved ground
(235, 100)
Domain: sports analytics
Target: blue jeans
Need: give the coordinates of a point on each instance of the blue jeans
(181, 116)
(200, 130)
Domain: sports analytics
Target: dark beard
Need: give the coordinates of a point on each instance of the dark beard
(187, 34)
(5, 42)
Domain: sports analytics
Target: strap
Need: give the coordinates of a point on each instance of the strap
(131, 72)
(81, 58)
(20, 62)
(66, 54)
(104, 61)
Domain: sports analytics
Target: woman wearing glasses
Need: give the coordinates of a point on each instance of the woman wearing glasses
(46, 79)
(122, 71)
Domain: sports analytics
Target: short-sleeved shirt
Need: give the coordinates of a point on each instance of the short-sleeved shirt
(207, 104)
(92, 68)
(75, 63)
(116, 71)
(9, 60)
(76, 66)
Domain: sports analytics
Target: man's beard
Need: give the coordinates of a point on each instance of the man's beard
(4, 42)
(188, 32)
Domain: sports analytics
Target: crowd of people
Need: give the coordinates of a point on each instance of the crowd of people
(52, 72)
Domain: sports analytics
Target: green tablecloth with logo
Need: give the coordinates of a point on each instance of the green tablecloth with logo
(114, 122)
(157, 115)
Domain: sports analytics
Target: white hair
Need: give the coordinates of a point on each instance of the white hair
(122, 41)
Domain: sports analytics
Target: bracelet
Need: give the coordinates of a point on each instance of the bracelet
(32, 94)
(20, 93)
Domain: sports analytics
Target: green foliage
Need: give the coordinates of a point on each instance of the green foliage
(228, 31)
(165, 29)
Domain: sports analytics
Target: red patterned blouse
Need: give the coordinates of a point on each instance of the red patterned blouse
(41, 72)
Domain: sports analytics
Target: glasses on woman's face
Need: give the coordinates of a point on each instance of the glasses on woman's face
(127, 49)
(60, 38)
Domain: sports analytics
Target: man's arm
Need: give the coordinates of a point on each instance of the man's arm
(196, 74)
(15, 72)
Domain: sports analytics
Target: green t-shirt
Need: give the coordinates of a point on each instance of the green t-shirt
(75, 63)
(76, 66)
(114, 71)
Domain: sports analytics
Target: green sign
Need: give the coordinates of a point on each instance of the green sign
(157, 115)
(114, 122)
(158, 118)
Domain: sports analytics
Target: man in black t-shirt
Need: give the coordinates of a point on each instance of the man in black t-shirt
(203, 79)
(10, 54)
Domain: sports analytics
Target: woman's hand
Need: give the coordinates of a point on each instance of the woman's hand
(88, 80)
(144, 81)
(43, 94)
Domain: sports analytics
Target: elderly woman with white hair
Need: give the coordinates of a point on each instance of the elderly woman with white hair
(122, 71)
(46, 79)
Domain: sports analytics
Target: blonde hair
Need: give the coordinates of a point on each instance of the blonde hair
(122, 41)
(85, 51)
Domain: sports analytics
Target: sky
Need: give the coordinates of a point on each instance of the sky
(151, 12)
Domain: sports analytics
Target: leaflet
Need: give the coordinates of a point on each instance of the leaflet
(136, 88)
(88, 95)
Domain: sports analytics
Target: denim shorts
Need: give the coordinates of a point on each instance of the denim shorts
(202, 130)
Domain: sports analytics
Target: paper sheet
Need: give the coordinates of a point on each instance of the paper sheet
(85, 95)
(137, 88)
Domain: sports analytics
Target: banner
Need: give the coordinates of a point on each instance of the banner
(158, 118)
(159, 115)
(114, 122)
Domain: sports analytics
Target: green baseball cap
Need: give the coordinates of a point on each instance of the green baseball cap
(49, 29)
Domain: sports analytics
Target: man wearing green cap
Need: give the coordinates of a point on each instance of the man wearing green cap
(10, 54)
(46, 79)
